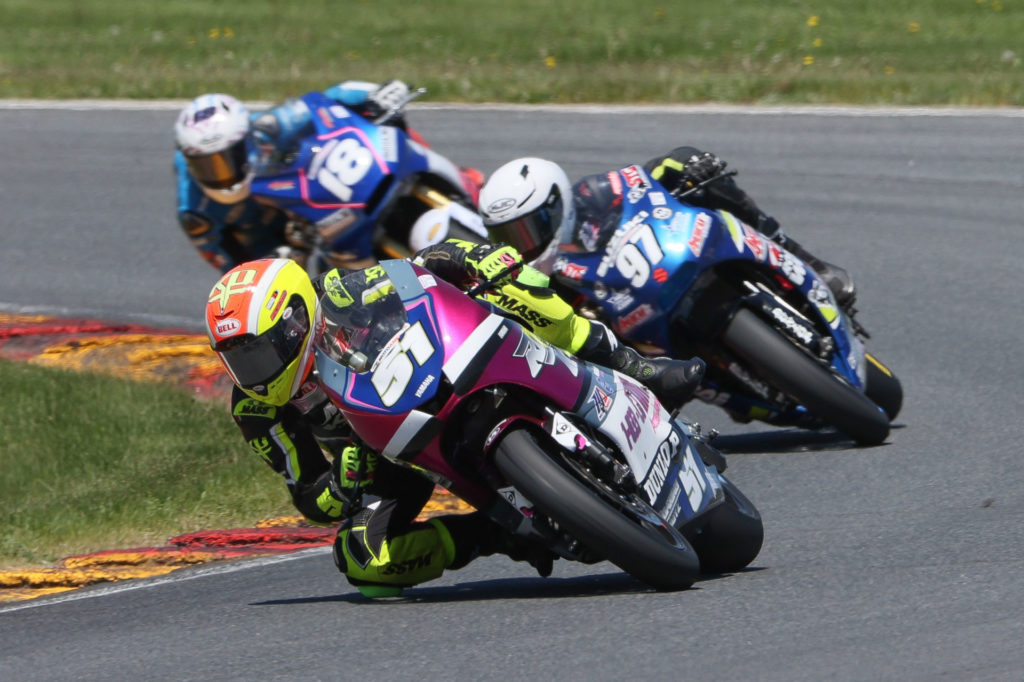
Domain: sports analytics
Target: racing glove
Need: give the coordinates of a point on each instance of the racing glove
(677, 176)
(390, 96)
(488, 261)
(356, 465)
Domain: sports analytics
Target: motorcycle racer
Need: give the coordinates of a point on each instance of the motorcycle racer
(259, 319)
(222, 147)
(530, 204)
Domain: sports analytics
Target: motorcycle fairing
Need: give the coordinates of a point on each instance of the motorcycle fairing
(347, 172)
(650, 266)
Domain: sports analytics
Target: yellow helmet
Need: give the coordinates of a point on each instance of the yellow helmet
(258, 318)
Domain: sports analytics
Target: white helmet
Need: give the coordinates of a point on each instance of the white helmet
(526, 203)
(212, 133)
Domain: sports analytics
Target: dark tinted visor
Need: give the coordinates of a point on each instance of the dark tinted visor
(530, 234)
(256, 360)
(223, 169)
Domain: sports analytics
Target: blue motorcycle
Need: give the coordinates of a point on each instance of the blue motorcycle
(359, 191)
(682, 281)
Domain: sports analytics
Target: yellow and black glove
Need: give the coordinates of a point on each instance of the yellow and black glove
(496, 263)
(356, 465)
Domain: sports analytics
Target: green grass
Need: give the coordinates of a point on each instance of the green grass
(941, 52)
(91, 462)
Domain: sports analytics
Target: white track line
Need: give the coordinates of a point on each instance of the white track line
(617, 109)
(174, 577)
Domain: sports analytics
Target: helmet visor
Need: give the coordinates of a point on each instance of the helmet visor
(357, 317)
(530, 234)
(223, 169)
(257, 360)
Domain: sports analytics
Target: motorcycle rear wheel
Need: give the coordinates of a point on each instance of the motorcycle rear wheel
(796, 374)
(658, 556)
(883, 387)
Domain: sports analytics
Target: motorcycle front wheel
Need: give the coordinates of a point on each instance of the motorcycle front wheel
(628, 533)
(729, 536)
(795, 373)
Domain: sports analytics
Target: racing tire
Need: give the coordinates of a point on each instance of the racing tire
(658, 556)
(796, 374)
(729, 536)
(883, 387)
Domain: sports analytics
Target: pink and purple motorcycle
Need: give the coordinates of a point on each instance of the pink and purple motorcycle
(571, 455)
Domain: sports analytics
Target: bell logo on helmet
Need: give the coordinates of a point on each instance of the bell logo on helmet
(227, 327)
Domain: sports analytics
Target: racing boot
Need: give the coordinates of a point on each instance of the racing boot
(673, 381)
(836, 278)
(475, 535)
(518, 549)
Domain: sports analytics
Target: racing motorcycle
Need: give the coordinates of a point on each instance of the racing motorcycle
(561, 452)
(358, 190)
(679, 280)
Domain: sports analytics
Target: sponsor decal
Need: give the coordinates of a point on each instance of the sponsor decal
(574, 270)
(660, 275)
(821, 296)
(602, 402)
(616, 183)
(254, 408)
(325, 118)
(680, 223)
(658, 472)
(657, 198)
(520, 310)
(388, 143)
(227, 327)
(424, 385)
(401, 567)
(691, 478)
(634, 176)
(621, 300)
(280, 302)
(281, 185)
(515, 498)
(699, 234)
(501, 205)
(634, 319)
(662, 213)
(795, 328)
(755, 241)
(793, 268)
(539, 355)
(636, 180)
(636, 413)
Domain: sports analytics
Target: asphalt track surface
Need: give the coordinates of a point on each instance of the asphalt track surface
(902, 561)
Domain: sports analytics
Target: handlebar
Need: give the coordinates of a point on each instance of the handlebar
(485, 284)
(413, 94)
(701, 185)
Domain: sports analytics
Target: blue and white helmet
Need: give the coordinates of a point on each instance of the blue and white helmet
(212, 133)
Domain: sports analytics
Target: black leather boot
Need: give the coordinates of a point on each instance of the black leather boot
(673, 381)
